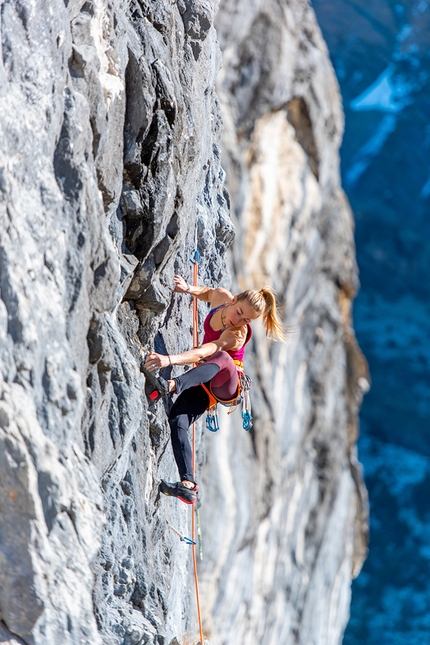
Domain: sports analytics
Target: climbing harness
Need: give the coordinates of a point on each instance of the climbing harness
(183, 538)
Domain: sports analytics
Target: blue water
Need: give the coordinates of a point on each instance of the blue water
(380, 51)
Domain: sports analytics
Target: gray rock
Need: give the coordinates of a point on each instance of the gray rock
(6, 638)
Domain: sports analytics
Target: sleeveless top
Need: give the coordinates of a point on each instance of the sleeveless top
(211, 335)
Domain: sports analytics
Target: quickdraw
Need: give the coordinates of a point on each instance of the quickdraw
(242, 396)
(246, 402)
(183, 538)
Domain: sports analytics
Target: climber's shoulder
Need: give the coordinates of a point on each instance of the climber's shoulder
(220, 296)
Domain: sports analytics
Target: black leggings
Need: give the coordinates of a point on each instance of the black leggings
(219, 370)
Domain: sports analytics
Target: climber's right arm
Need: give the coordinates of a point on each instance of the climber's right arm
(214, 296)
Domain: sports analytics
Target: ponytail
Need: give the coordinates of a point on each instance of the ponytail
(272, 324)
(264, 303)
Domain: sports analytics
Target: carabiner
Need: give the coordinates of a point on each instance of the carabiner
(195, 257)
(188, 540)
(246, 420)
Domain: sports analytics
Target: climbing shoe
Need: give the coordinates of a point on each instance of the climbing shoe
(157, 384)
(187, 495)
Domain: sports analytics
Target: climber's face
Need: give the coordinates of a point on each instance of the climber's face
(239, 313)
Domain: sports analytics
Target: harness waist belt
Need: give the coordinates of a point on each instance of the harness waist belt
(213, 400)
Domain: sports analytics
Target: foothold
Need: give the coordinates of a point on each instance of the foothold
(13, 495)
(136, 636)
(120, 590)
(4, 418)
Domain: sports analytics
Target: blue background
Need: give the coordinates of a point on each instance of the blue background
(380, 52)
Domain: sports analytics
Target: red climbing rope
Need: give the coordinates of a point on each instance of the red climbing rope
(195, 305)
(195, 261)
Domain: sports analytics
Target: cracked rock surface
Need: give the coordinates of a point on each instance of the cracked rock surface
(110, 177)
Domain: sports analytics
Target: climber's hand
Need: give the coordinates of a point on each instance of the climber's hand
(156, 361)
(181, 285)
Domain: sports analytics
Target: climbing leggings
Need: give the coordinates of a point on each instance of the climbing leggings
(220, 371)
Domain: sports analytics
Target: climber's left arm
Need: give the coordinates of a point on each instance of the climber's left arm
(230, 340)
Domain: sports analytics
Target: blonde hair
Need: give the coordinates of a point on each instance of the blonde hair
(264, 303)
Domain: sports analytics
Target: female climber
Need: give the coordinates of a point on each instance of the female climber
(227, 330)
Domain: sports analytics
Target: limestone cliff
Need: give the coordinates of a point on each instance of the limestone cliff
(110, 175)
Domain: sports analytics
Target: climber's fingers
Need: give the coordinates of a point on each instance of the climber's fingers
(181, 285)
(151, 361)
(156, 361)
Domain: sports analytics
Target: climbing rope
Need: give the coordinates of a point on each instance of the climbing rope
(195, 261)
(195, 257)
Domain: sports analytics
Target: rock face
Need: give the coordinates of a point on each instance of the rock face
(110, 177)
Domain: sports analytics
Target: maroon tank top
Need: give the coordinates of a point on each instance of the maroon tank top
(211, 335)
